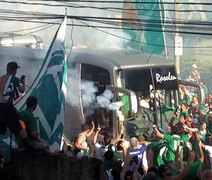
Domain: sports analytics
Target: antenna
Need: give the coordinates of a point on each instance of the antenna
(149, 58)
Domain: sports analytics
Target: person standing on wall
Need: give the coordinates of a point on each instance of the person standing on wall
(10, 88)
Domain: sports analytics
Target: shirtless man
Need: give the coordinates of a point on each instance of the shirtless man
(10, 87)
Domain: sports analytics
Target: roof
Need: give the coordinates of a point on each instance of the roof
(117, 59)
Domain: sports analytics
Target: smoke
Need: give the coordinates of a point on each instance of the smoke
(115, 105)
(88, 91)
(72, 88)
(104, 99)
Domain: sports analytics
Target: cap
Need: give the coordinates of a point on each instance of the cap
(12, 65)
(186, 102)
(195, 95)
(194, 66)
(144, 104)
(202, 107)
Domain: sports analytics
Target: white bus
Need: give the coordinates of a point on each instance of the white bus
(132, 77)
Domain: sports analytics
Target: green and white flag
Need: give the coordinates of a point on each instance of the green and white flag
(50, 89)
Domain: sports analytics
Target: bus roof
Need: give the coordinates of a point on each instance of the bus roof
(118, 59)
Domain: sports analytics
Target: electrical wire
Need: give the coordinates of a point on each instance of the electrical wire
(99, 19)
(94, 26)
(147, 2)
(49, 17)
(128, 39)
(112, 8)
(105, 2)
(115, 9)
(40, 28)
(167, 20)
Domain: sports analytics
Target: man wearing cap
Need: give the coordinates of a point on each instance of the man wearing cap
(10, 87)
(195, 73)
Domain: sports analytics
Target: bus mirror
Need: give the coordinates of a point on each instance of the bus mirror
(131, 94)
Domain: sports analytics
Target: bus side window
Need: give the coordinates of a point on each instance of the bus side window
(100, 78)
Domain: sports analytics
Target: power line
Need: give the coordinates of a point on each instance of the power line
(46, 15)
(99, 19)
(110, 8)
(102, 27)
(115, 9)
(98, 28)
(40, 28)
(57, 16)
(107, 2)
(104, 8)
(147, 2)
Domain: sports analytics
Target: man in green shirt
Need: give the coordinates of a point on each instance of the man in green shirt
(31, 124)
(172, 142)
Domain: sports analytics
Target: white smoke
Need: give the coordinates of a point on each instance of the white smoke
(115, 105)
(104, 99)
(88, 91)
(72, 88)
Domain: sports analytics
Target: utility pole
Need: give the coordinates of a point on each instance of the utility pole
(178, 42)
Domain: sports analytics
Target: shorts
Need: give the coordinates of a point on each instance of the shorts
(9, 118)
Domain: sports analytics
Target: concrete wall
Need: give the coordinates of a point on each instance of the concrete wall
(35, 166)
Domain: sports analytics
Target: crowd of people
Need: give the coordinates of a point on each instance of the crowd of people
(183, 151)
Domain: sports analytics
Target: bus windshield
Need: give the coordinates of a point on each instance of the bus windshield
(141, 80)
(154, 88)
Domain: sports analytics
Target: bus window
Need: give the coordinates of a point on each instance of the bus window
(99, 78)
(137, 80)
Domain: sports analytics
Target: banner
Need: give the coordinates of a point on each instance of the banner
(143, 23)
(50, 89)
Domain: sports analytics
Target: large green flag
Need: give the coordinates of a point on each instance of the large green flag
(50, 89)
(144, 25)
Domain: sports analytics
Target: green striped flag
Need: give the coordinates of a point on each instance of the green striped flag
(50, 89)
